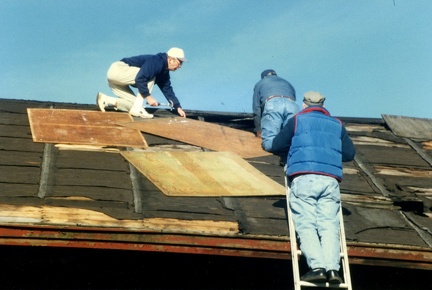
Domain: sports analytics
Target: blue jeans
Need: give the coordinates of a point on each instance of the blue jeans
(315, 206)
(276, 113)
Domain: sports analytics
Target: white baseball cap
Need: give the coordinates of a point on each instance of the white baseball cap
(177, 53)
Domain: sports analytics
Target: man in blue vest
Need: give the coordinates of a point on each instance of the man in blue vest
(273, 104)
(317, 144)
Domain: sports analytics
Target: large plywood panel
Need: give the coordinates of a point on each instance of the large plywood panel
(77, 117)
(83, 128)
(203, 134)
(63, 216)
(408, 127)
(203, 174)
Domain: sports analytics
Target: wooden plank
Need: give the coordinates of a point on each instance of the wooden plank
(15, 131)
(83, 128)
(367, 170)
(401, 171)
(87, 135)
(420, 151)
(92, 193)
(8, 118)
(77, 117)
(207, 135)
(20, 144)
(18, 190)
(372, 154)
(203, 174)
(366, 140)
(51, 215)
(20, 158)
(100, 161)
(415, 128)
(427, 145)
(19, 174)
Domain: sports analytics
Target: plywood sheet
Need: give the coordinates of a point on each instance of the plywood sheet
(203, 134)
(203, 174)
(50, 215)
(83, 128)
(408, 127)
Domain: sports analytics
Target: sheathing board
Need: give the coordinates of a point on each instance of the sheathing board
(207, 135)
(203, 174)
(83, 128)
(409, 127)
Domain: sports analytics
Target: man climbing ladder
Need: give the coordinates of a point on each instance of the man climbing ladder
(317, 144)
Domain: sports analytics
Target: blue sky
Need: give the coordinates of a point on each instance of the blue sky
(368, 57)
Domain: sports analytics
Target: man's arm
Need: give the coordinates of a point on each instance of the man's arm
(148, 71)
(164, 85)
(282, 141)
(256, 110)
(348, 149)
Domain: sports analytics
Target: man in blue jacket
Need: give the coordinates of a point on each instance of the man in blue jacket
(317, 144)
(274, 103)
(142, 72)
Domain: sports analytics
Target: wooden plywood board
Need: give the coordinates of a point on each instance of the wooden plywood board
(83, 128)
(50, 215)
(203, 174)
(408, 127)
(207, 135)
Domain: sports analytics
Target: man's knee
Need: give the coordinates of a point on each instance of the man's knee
(267, 144)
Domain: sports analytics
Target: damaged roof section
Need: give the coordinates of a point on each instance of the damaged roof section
(398, 169)
(419, 129)
(84, 196)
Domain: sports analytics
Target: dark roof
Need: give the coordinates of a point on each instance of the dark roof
(96, 199)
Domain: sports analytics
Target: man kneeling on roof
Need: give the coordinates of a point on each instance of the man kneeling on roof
(142, 72)
(273, 104)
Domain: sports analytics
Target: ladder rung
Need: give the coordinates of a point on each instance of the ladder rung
(324, 285)
(299, 253)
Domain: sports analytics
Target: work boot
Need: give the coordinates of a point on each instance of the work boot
(142, 113)
(101, 101)
(317, 275)
(333, 277)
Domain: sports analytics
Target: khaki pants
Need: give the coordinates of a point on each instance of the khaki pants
(120, 77)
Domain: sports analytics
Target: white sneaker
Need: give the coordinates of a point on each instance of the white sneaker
(142, 113)
(101, 101)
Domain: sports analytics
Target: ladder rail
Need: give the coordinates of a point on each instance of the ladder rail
(293, 241)
(344, 251)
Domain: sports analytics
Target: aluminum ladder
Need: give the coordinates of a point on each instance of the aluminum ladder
(296, 253)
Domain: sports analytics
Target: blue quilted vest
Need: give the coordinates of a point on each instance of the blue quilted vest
(316, 147)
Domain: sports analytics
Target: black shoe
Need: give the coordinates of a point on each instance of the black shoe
(333, 277)
(317, 275)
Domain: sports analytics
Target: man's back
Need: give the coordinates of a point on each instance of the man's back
(316, 145)
(274, 86)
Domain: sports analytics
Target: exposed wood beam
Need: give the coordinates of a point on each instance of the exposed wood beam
(371, 176)
(45, 169)
(419, 151)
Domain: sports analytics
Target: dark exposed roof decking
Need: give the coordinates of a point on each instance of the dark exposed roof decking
(83, 198)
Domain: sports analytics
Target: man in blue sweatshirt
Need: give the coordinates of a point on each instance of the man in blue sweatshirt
(142, 72)
(317, 144)
(274, 103)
